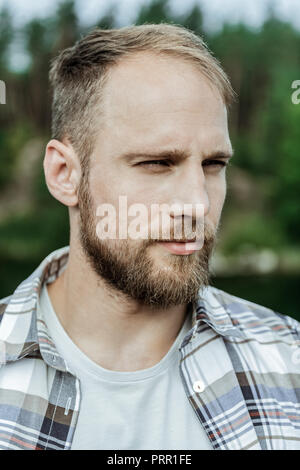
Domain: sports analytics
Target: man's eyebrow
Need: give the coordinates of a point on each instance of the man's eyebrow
(174, 154)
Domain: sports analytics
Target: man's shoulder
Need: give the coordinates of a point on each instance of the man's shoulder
(254, 318)
(49, 268)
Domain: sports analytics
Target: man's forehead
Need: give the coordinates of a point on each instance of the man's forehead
(173, 106)
(145, 83)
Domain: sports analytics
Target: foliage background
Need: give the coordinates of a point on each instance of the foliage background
(258, 255)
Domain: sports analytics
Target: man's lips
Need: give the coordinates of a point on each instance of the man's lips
(182, 248)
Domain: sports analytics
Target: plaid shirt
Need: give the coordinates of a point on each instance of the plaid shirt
(240, 368)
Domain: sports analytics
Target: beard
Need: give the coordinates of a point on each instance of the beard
(126, 266)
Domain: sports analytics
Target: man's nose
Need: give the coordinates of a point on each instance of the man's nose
(191, 198)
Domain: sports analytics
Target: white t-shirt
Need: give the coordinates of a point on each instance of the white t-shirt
(145, 409)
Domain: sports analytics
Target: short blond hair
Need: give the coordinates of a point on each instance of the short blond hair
(78, 74)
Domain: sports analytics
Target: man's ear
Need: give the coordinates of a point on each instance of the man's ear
(62, 171)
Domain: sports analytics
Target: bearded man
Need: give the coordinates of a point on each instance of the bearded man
(120, 342)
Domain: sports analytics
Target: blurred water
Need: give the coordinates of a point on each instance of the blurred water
(279, 292)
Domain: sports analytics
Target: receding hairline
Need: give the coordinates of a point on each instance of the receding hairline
(140, 57)
(149, 55)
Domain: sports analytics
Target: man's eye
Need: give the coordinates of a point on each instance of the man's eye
(215, 163)
(154, 163)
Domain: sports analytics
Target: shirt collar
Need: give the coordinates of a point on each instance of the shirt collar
(210, 310)
(24, 334)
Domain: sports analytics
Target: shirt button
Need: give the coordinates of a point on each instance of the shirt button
(198, 386)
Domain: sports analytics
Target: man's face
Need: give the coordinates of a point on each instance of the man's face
(162, 139)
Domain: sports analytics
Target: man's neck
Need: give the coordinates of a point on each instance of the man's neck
(113, 331)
